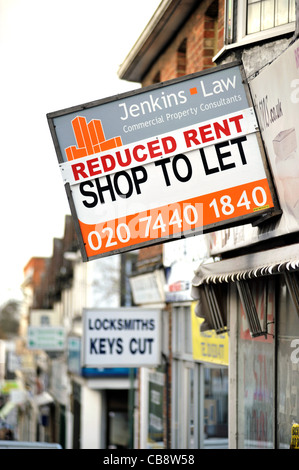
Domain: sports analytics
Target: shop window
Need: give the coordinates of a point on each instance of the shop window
(266, 14)
(215, 407)
(185, 399)
(256, 371)
(182, 378)
(268, 366)
(199, 391)
(182, 331)
(287, 365)
(200, 406)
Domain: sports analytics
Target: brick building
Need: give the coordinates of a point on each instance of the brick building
(242, 404)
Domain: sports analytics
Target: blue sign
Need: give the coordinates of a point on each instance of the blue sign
(74, 363)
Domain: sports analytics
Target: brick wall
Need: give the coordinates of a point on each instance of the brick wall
(202, 34)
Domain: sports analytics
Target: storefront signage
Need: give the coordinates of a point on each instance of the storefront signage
(148, 288)
(163, 162)
(121, 337)
(74, 363)
(47, 338)
(208, 346)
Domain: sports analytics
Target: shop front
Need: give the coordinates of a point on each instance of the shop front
(261, 292)
(99, 415)
(253, 291)
(199, 359)
(200, 383)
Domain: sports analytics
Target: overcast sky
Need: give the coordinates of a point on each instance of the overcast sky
(54, 54)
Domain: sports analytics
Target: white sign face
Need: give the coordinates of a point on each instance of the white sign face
(46, 338)
(162, 163)
(121, 337)
(148, 288)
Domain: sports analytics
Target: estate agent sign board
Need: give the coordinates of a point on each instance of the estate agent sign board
(176, 159)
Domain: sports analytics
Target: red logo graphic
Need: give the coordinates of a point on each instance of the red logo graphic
(90, 139)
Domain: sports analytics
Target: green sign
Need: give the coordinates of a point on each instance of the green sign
(48, 338)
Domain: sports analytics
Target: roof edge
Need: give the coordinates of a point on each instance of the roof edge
(162, 26)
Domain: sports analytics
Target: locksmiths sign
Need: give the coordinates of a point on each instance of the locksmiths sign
(126, 337)
(176, 159)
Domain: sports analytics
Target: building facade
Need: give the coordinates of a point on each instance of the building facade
(65, 402)
(251, 271)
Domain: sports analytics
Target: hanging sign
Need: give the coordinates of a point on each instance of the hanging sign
(208, 346)
(47, 338)
(176, 159)
(121, 337)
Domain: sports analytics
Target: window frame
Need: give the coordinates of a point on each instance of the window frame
(260, 35)
(240, 37)
(182, 331)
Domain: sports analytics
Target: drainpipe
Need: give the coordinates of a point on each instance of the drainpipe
(296, 34)
(131, 408)
(166, 371)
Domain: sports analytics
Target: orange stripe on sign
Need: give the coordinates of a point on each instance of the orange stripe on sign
(118, 141)
(86, 136)
(96, 131)
(237, 201)
(78, 152)
(177, 218)
(78, 133)
(69, 153)
(92, 133)
(108, 145)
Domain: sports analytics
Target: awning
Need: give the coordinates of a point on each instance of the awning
(249, 266)
(209, 286)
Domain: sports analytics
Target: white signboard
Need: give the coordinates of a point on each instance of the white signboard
(148, 288)
(47, 338)
(163, 162)
(121, 337)
(44, 317)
